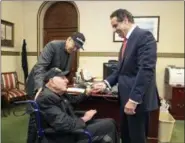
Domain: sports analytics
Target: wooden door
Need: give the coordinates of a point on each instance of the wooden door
(60, 21)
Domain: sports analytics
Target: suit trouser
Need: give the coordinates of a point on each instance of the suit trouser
(103, 127)
(134, 128)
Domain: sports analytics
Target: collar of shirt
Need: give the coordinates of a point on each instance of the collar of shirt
(130, 31)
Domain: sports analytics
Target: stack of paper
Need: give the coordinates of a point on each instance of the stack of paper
(75, 90)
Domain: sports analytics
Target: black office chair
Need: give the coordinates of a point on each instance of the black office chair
(41, 132)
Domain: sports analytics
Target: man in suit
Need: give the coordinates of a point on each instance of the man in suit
(135, 75)
(55, 54)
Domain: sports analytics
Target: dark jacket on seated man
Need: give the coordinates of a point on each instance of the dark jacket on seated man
(58, 115)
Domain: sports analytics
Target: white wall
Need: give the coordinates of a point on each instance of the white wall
(97, 28)
(95, 24)
(13, 12)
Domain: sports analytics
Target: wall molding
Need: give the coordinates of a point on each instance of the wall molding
(10, 53)
(16, 53)
(170, 55)
(32, 53)
(96, 54)
(115, 54)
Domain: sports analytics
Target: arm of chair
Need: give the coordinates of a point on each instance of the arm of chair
(21, 83)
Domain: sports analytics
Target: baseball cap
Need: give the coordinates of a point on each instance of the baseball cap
(79, 39)
(54, 72)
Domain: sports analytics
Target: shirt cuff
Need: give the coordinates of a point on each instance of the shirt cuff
(133, 101)
(107, 83)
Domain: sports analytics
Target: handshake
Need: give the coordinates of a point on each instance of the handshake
(96, 87)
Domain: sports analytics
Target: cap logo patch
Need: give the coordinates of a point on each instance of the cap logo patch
(80, 40)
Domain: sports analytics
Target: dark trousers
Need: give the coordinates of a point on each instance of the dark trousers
(134, 128)
(103, 128)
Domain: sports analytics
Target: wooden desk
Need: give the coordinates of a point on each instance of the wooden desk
(108, 107)
(176, 96)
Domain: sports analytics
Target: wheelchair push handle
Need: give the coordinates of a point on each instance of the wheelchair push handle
(19, 112)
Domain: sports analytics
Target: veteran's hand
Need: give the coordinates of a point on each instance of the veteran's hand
(129, 108)
(88, 115)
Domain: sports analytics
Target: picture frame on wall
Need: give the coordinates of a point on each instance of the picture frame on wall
(116, 38)
(150, 23)
(7, 34)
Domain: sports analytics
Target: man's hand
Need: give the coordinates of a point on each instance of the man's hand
(98, 87)
(130, 108)
(88, 115)
(88, 90)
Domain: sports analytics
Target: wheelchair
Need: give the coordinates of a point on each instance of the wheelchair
(42, 132)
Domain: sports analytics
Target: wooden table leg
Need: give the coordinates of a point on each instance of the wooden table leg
(153, 127)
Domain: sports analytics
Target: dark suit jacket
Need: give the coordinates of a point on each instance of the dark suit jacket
(53, 55)
(136, 72)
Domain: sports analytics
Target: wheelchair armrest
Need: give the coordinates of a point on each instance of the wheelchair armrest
(78, 131)
(93, 139)
(22, 111)
(79, 113)
(51, 131)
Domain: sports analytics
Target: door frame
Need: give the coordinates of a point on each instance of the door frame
(40, 24)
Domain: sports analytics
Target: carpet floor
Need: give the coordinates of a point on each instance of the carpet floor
(14, 130)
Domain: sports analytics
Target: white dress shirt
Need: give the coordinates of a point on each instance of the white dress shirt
(127, 36)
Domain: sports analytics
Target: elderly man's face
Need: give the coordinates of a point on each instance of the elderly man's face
(60, 83)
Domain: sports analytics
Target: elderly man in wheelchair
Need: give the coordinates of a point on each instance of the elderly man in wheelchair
(59, 121)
